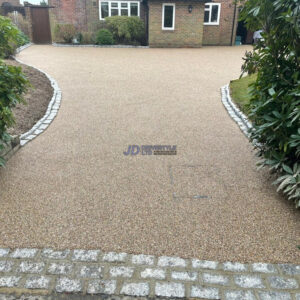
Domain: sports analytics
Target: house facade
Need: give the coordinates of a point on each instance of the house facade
(168, 23)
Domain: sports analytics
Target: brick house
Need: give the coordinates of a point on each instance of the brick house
(168, 23)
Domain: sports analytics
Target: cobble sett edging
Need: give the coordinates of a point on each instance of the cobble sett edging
(52, 109)
(92, 272)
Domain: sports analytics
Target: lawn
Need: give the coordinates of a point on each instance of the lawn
(240, 91)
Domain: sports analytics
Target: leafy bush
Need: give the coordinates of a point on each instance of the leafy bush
(10, 37)
(12, 85)
(65, 32)
(104, 37)
(126, 30)
(87, 38)
(275, 102)
(20, 22)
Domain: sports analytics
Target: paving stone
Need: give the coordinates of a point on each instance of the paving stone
(9, 281)
(121, 271)
(37, 282)
(31, 267)
(24, 253)
(169, 289)
(6, 266)
(290, 269)
(249, 281)
(114, 257)
(4, 252)
(90, 272)
(53, 254)
(215, 279)
(85, 255)
(234, 267)
(239, 295)
(205, 292)
(102, 287)
(135, 289)
(43, 126)
(263, 268)
(187, 276)
(167, 261)
(274, 296)
(204, 264)
(142, 259)
(68, 285)
(282, 283)
(60, 268)
(153, 273)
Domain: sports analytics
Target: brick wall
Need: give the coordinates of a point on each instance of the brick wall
(69, 12)
(188, 26)
(221, 34)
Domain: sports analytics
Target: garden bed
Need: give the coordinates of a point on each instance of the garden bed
(37, 99)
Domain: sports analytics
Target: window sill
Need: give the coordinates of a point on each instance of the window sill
(212, 24)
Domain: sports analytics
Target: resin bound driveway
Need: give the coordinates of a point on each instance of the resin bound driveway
(72, 187)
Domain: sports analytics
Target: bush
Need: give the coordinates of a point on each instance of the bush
(10, 37)
(126, 30)
(104, 37)
(65, 32)
(275, 96)
(12, 85)
(20, 22)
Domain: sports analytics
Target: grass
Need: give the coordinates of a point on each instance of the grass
(240, 92)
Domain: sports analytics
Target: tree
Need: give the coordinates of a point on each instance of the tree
(275, 103)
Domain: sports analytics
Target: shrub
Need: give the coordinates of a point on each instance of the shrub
(104, 37)
(65, 32)
(10, 37)
(12, 85)
(126, 30)
(275, 96)
(87, 38)
(20, 22)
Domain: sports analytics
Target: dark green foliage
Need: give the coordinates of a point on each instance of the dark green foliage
(275, 102)
(104, 37)
(12, 86)
(10, 37)
(126, 30)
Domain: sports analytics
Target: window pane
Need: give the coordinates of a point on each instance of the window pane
(206, 16)
(214, 13)
(124, 5)
(114, 4)
(124, 12)
(114, 12)
(206, 6)
(168, 21)
(104, 9)
(134, 9)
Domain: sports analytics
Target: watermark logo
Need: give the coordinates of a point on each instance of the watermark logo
(151, 150)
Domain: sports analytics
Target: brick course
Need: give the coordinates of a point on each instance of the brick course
(188, 26)
(221, 34)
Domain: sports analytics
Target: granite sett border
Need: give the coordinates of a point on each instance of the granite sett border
(93, 272)
(52, 109)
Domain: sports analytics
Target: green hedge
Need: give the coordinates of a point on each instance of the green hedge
(275, 98)
(126, 30)
(104, 37)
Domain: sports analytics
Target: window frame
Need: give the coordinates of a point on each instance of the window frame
(119, 8)
(210, 4)
(163, 16)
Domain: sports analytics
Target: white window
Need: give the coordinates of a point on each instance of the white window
(212, 13)
(118, 8)
(168, 16)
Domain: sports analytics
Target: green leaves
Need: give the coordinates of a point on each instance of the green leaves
(12, 85)
(275, 103)
(10, 37)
